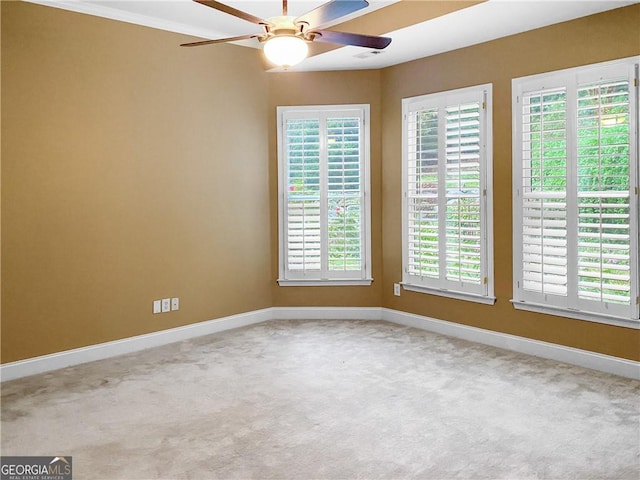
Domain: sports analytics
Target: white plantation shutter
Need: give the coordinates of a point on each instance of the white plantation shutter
(324, 207)
(544, 173)
(345, 235)
(303, 205)
(446, 172)
(423, 246)
(575, 198)
(463, 237)
(603, 158)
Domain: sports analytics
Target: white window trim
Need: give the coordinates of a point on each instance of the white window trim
(469, 297)
(575, 314)
(324, 283)
(488, 295)
(344, 280)
(550, 80)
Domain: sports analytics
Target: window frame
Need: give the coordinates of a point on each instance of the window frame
(324, 276)
(484, 293)
(573, 79)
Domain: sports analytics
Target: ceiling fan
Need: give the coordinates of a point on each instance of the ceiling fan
(286, 38)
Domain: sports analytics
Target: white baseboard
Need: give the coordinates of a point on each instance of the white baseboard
(77, 356)
(551, 351)
(575, 356)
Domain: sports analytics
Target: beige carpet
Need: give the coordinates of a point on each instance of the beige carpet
(328, 399)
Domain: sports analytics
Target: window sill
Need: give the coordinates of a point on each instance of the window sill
(576, 314)
(470, 297)
(324, 283)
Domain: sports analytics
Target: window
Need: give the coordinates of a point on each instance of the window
(447, 229)
(575, 154)
(324, 213)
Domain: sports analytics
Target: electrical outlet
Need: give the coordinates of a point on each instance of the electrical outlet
(175, 303)
(166, 305)
(396, 289)
(157, 307)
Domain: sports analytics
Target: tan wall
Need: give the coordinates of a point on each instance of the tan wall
(132, 170)
(592, 39)
(329, 88)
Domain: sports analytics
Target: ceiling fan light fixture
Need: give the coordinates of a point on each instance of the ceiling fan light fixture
(286, 50)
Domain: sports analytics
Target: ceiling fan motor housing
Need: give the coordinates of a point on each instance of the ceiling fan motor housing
(285, 26)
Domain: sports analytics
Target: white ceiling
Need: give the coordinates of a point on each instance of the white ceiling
(479, 23)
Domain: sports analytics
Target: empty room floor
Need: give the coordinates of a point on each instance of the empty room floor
(327, 400)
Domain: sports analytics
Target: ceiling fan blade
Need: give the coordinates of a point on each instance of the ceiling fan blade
(218, 40)
(232, 11)
(344, 38)
(331, 11)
